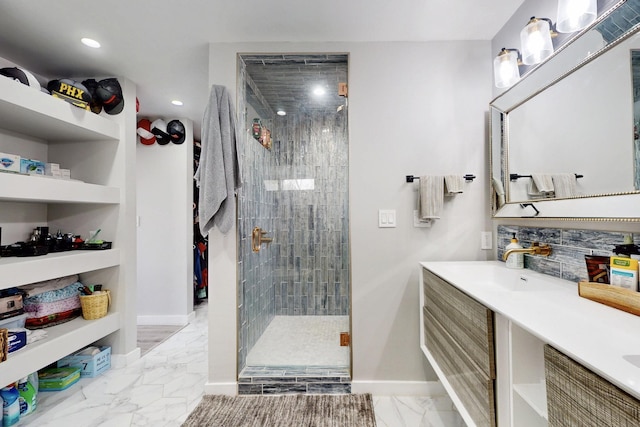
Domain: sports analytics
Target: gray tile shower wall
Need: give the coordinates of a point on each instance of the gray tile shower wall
(256, 207)
(311, 230)
(569, 246)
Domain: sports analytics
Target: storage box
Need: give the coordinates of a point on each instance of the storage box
(14, 322)
(90, 365)
(55, 379)
(9, 162)
(31, 166)
(65, 173)
(17, 340)
(52, 169)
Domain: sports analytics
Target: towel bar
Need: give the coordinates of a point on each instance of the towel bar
(468, 177)
(515, 176)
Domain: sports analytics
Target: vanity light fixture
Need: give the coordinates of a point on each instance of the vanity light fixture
(319, 91)
(281, 113)
(177, 102)
(535, 39)
(574, 15)
(505, 68)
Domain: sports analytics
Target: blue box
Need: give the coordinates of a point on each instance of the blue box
(29, 166)
(17, 340)
(90, 365)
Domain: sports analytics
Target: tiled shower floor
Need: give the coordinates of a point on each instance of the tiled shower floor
(301, 341)
(299, 354)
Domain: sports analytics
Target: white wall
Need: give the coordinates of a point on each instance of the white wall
(165, 232)
(414, 108)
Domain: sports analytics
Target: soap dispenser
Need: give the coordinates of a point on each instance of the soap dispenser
(515, 260)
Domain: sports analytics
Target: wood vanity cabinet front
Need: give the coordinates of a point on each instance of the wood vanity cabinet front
(459, 334)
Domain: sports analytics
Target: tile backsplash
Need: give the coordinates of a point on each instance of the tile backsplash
(569, 246)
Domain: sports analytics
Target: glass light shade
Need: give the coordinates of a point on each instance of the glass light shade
(574, 15)
(505, 68)
(535, 41)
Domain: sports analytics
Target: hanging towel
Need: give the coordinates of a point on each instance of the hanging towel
(218, 174)
(499, 190)
(541, 185)
(565, 185)
(431, 197)
(453, 185)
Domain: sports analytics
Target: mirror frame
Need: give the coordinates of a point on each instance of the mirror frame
(620, 206)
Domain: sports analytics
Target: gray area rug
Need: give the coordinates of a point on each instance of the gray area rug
(327, 410)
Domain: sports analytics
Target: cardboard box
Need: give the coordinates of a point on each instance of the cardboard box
(55, 379)
(65, 173)
(29, 166)
(52, 169)
(9, 162)
(17, 340)
(90, 365)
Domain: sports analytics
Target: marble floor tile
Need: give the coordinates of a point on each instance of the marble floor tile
(165, 385)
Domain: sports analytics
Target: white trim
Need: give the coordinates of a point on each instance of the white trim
(122, 360)
(228, 389)
(399, 388)
(173, 320)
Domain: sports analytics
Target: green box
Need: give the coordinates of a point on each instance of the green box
(56, 379)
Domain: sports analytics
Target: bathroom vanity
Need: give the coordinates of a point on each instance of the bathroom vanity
(519, 348)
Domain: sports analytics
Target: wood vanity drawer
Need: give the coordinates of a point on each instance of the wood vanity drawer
(578, 397)
(467, 321)
(474, 388)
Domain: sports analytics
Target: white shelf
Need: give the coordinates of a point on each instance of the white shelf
(27, 188)
(16, 271)
(61, 341)
(37, 114)
(535, 395)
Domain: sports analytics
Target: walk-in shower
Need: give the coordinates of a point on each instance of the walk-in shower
(294, 289)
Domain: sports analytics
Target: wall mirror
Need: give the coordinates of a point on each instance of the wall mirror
(567, 147)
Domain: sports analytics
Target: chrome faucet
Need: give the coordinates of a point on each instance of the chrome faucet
(535, 249)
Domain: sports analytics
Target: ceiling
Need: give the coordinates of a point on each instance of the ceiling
(162, 46)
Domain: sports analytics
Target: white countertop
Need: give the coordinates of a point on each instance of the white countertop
(603, 339)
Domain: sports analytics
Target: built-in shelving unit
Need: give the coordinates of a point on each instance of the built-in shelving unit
(97, 150)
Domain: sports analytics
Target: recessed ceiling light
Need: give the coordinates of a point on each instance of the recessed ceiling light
(176, 102)
(90, 42)
(319, 91)
(281, 113)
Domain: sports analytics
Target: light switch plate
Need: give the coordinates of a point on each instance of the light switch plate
(386, 218)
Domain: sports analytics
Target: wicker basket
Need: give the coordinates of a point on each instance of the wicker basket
(95, 306)
(4, 344)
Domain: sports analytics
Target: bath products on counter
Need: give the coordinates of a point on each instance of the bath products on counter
(10, 406)
(624, 272)
(515, 260)
(598, 268)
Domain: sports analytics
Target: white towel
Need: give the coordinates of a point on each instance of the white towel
(453, 185)
(499, 190)
(218, 174)
(431, 197)
(565, 185)
(541, 185)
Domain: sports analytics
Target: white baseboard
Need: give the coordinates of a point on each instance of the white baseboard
(228, 389)
(123, 360)
(399, 388)
(175, 320)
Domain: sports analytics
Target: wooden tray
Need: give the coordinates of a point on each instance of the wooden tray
(613, 296)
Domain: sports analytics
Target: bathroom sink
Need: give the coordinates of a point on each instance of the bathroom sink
(495, 276)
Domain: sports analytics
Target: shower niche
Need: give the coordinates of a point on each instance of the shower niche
(294, 293)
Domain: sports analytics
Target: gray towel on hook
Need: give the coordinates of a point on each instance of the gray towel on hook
(564, 185)
(453, 185)
(218, 174)
(431, 197)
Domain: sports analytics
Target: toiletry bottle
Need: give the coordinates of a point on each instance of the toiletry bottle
(10, 406)
(27, 397)
(515, 260)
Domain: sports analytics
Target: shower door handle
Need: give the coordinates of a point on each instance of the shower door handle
(258, 237)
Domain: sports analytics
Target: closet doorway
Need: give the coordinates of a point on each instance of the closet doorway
(293, 220)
